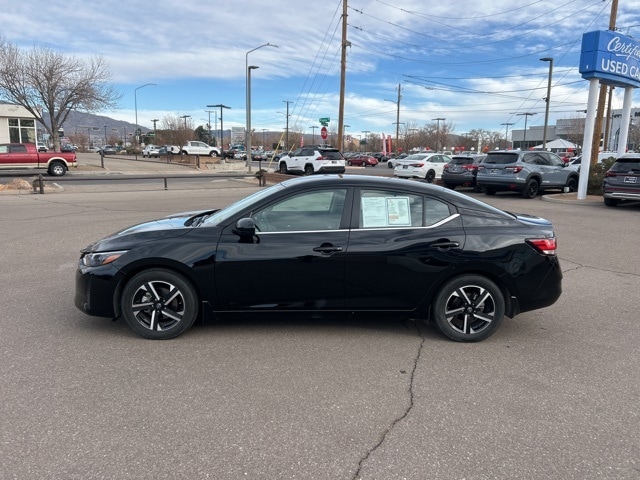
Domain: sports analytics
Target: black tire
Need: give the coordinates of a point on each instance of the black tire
(469, 308)
(308, 170)
(572, 184)
(159, 304)
(57, 169)
(283, 168)
(611, 202)
(349, 162)
(531, 189)
(389, 164)
(489, 191)
(183, 152)
(213, 153)
(450, 186)
(478, 189)
(430, 176)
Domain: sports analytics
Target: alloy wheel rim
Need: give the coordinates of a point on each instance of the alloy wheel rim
(158, 305)
(470, 309)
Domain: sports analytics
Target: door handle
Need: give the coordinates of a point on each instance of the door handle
(445, 244)
(326, 248)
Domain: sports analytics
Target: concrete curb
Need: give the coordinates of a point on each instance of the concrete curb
(572, 198)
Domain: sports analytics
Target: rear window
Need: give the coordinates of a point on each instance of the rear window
(461, 161)
(501, 158)
(332, 154)
(626, 165)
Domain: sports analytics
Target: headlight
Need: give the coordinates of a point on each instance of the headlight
(101, 258)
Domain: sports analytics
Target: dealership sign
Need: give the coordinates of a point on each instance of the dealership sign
(611, 57)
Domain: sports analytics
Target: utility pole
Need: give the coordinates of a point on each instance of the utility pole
(398, 117)
(343, 71)
(286, 136)
(438, 131)
(602, 98)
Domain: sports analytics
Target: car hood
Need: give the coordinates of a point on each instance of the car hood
(171, 226)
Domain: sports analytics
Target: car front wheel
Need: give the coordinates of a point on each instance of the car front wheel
(572, 184)
(469, 308)
(159, 304)
(283, 168)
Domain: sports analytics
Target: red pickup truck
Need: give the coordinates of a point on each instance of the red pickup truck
(26, 155)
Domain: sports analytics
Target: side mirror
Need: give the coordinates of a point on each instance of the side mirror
(245, 227)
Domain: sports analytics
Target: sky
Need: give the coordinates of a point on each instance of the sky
(473, 63)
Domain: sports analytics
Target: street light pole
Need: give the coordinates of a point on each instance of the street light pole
(184, 117)
(135, 100)
(506, 135)
(248, 100)
(526, 115)
(248, 128)
(220, 106)
(547, 100)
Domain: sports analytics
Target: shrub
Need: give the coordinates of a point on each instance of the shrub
(596, 176)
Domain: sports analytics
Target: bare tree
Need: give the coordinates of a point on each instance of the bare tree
(575, 130)
(173, 130)
(42, 80)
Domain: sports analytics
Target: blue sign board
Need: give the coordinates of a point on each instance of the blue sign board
(611, 57)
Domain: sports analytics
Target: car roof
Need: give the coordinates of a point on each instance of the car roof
(349, 180)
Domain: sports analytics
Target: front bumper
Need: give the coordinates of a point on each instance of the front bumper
(97, 290)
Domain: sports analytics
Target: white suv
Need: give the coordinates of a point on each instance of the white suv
(313, 159)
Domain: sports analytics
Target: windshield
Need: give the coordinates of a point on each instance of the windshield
(222, 215)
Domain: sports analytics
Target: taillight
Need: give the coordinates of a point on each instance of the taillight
(470, 166)
(611, 174)
(547, 246)
(417, 165)
(517, 169)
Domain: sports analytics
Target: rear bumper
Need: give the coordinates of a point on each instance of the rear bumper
(622, 194)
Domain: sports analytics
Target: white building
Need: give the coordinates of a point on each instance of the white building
(17, 125)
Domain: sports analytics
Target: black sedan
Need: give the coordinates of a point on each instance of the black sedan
(327, 244)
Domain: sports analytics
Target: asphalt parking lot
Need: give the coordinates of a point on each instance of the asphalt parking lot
(553, 394)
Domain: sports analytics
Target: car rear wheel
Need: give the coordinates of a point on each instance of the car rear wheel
(57, 169)
(469, 308)
(531, 188)
(213, 153)
(489, 191)
(283, 168)
(430, 176)
(308, 170)
(611, 202)
(389, 164)
(159, 304)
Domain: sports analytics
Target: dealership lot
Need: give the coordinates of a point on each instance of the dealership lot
(553, 394)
